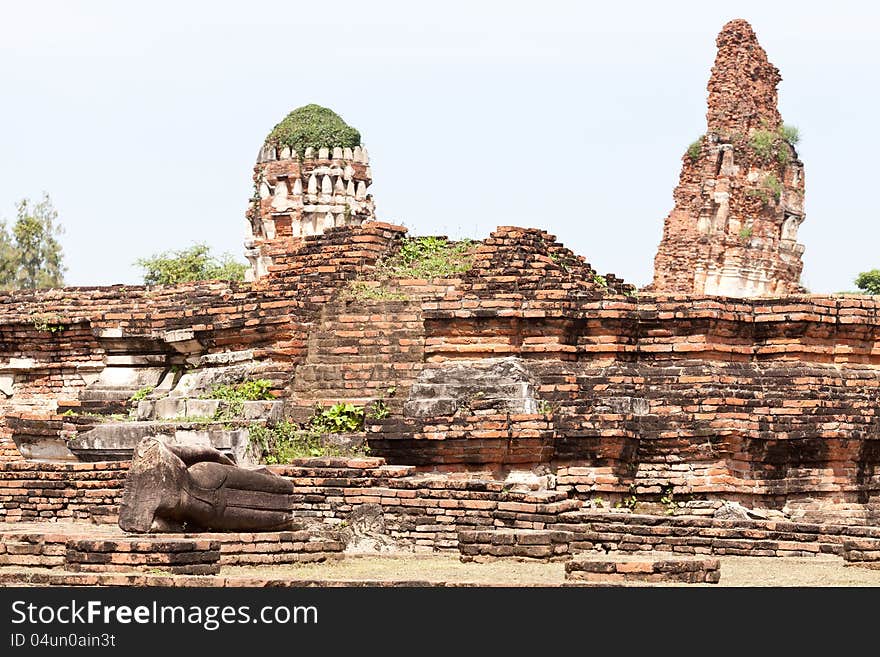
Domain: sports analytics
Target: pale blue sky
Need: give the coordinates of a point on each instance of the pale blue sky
(142, 120)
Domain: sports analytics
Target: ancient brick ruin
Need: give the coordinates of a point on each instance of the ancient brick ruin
(740, 198)
(530, 393)
(302, 194)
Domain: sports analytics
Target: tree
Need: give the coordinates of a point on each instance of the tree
(31, 257)
(193, 264)
(869, 281)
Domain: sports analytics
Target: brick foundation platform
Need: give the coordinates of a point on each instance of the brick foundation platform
(523, 544)
(863, 552)
(178, 556)
(106, 548)
(654, 568)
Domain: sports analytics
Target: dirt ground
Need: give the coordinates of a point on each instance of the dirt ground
(735, 571)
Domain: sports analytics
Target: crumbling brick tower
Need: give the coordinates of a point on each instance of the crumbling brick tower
(740, 197)
(312, 173)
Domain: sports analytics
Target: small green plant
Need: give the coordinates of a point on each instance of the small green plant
(790, 134)
(745, 233)
(371, 291)
(771, 184)
(69, 413)
(286, 441)
(759, 194)
(141, 394)
(667, 499)
(766, 143)
(545, 407)
(429, 257)
(695, 149)
(343, 417)
(763, 143)
(379, 410)
(600, 281)
(255, 390)
(48, 323)
(598, 502)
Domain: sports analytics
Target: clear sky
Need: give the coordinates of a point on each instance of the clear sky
(143, 120)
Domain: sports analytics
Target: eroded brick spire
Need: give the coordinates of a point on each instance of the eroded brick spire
(739, 201)
(742, 88)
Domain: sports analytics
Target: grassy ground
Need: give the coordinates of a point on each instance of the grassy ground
(735, 571)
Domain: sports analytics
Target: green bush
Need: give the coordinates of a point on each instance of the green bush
(763, 143)
(429, 257)
(141, 394)
(695, 149)
(745, 233)
(313, 126)
(256, 390)
(286, 441)
(771, 184)
(365, 291)
(339, 418)
(869, 281)
(193, 264)
(790, 134)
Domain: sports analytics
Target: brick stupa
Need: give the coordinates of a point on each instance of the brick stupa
(740, 197)
(305, 191)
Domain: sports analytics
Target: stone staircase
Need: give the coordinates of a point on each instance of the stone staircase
(359, 352)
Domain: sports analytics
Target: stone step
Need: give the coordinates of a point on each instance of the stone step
(475, 390)
(115, 441)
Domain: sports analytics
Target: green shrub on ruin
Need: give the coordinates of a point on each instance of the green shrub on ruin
(256, 390)
(771, 184)
(343, 417)
(767, 143)
(790, 134)
(141, 394)
(193, 264)
(286, 441)
(695, 149)
(370, 291)
(313, 126)
(763, 143)
(429, 257)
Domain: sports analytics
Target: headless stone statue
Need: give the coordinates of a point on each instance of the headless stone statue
(172, 488)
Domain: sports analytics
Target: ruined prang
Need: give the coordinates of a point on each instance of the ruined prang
(302, 189)
(740, 197)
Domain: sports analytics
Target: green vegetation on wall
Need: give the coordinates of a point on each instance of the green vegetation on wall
(766, 144)
(313, 126)
(429, 257)
(695, 149)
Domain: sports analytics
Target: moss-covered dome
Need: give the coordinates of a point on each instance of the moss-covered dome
(315, 126)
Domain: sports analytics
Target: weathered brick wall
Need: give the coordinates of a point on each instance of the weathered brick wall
(767, 401)
(419, 512)
(54, 491)
(51, 340)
